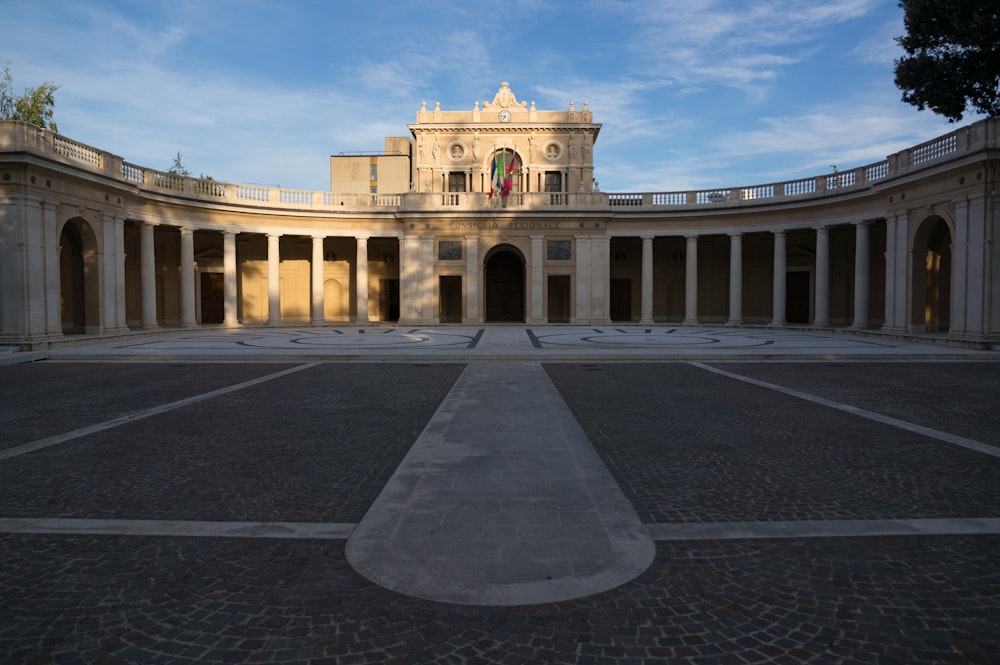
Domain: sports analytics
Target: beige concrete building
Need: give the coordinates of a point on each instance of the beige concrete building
(426, 233)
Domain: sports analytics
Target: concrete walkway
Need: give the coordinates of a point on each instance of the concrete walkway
(501, 501)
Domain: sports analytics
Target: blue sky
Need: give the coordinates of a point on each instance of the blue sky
(691, 94)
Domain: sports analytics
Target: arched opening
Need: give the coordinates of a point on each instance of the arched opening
(505, 174)
(505, 285)
(931, 311)
(79, 305)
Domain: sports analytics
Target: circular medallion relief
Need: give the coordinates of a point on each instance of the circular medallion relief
(552, 150)
(456, 151)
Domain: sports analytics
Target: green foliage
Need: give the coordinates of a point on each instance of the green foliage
(952, 58)
(178, 166)
(34, 105)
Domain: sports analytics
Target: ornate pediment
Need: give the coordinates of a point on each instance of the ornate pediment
(504, 99)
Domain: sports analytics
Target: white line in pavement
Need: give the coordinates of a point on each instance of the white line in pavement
(954, 526)
(954, 439)
(825, 529)
(299, 530)
(139, 415)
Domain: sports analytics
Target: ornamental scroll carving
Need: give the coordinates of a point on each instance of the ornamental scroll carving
(504, 99)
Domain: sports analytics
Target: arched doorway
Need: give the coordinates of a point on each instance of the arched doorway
(79, 306)
(931, 294)
(505, 285)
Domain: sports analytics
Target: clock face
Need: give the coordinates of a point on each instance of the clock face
(504, 116)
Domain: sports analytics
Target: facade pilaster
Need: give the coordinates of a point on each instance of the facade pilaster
(536, 290)
(361, 279)
(273, 279)
(317, 283)
(411, 280)
(735, 280)
(231, 316)
(50, 254)
(121, 321)
(646, 299)
(188, 319)
(964, 288)
(430, 312)
(691, 281)
(147, 249)
(600, 280)
(897, 287)
(862, 266)
(472, 280)
(778, 280)
(821, 318)
(583, 288)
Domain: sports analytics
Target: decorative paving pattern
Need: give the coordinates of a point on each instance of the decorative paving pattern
(654, 338)
(306, 453)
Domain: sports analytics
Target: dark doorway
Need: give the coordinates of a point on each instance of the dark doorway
(450, 299)
(505, 287)
(388, 300)
(71, 281)
(621, 299)
(213, 297)
(558, 298)
(797, 296)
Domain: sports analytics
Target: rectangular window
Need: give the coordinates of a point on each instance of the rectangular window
(450, 250)
(559, 250)
(456, 182)
(374, 172)
(553, 181)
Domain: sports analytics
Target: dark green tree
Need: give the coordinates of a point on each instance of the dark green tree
(34, 105)
(952, 61)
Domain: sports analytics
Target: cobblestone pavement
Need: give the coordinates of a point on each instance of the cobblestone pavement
(685, 445)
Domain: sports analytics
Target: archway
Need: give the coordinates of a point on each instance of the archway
(931, 279)
(505, 285)
(79, 293)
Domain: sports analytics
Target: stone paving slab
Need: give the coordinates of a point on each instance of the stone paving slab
(91, 599)
(687, 445)
(501, 501)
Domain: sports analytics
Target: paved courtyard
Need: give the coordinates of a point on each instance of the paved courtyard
(191, 497)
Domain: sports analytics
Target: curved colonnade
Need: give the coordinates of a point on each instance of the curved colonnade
(90, 244)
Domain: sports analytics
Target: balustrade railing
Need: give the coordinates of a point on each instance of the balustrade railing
(77, 151)
(934, 149)
(15, 135)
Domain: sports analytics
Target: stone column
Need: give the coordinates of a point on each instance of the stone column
(896, 278)
(147, 251)
(583, 290)
(52, 314)
(188, 319)
(778, 294)
(600, 279)
(121, 322)
(536, 289)
(431, 311)
(735, 280)
(822, 315)
(646, 299)
(273, 279)
(472, 280)
(361, 279)
(861, 277)
(409, 280)
(318, 283)
(229, 279)
(691, 282)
